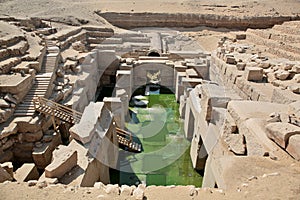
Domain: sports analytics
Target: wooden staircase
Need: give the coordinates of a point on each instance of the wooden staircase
(65, 114)
(56, 110)
(126, 142)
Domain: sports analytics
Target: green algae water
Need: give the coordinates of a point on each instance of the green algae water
(165, 159)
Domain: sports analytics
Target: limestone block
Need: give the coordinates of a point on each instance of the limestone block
(27, 172)
(32, 137)
(198, 153)
(293, 147)
(64, 159)
(294, 108)
(243, 110)
(126, 190)
(11, 129)
(42, 155)
(112, 189)
(178, 86)
(107, 58)
(8, 166)
(282, 74)
(191, 73)
(104, 145)
(8, 143)
(281, 132)
(27, 124)
(4, 104)
(114, 104)
(240, 66)
(253, 74)
(235, 143)
(5, 114)
(230, 59)
(182, 106)
(213, 96)
(138, 193)
(240, 36)
(4, 175)
(295, 88)
(84, 130)
(256, 139)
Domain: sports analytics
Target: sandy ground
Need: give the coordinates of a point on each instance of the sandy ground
(84, 9)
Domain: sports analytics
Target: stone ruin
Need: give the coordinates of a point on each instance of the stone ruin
(239, 104)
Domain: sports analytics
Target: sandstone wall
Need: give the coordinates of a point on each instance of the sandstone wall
(134, 20)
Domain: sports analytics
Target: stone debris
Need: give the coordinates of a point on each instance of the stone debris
(32, 183)
(8, 167)
(281, 132)
(64, 160)
(26, 172)
(138, 193)
(4, 175)
(227, 119)
(126, 190)
(112, 189)
(293, 147)
(236, 143)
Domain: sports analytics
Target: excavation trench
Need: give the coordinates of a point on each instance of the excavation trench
(154, 121)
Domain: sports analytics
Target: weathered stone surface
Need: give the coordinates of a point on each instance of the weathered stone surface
(8, 167)
(253, 73)
(11, 129)
(99, 185)
(243, 110)
(240, 66)
(4, 175)
(284, 96)
(138, 193)
(84, 130)
(112, 189)
(235, 143)
(27, 172)
(4, 104)
(281, 132)
(229, 59)
(32, 183)
(64, 160)
(6, 156)
(28, 124)
(32, 137)
(8, 97)
(293, 147)
(22, 152)
(282, 74)
(5, 114)
(126, 190)
(295, 88)
(42, 155)
(213, 96)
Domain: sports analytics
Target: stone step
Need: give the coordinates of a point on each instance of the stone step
(15, 50)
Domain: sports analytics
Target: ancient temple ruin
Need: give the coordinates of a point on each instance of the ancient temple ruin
(66, 92)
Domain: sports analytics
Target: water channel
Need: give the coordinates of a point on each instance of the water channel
(165, 160)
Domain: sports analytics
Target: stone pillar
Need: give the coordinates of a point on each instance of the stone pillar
(115, 105)
(179, 89)
(124, 80)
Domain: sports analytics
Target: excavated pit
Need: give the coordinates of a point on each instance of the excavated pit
(234, 106)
